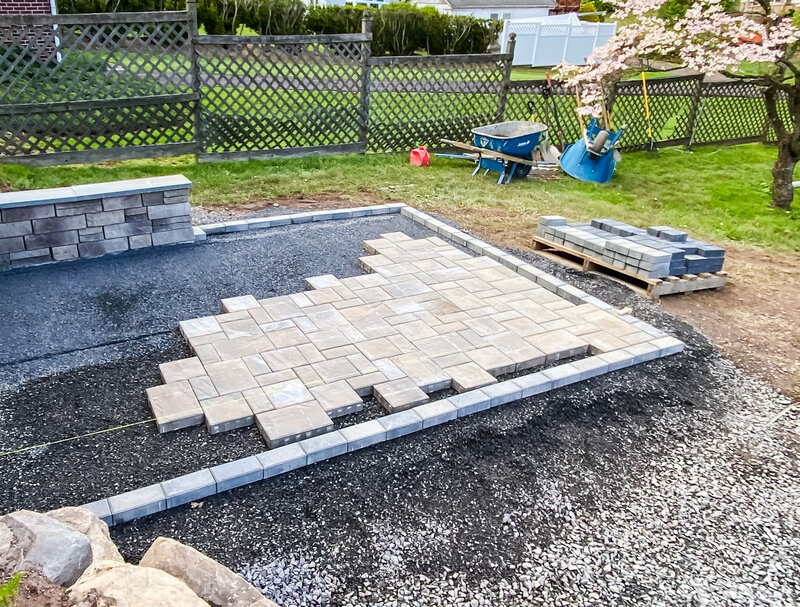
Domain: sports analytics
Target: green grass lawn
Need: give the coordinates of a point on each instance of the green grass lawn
(721, 194)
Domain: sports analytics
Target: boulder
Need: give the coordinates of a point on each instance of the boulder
(209, 580)
(108, 583)
(30, 541)
(88, 523)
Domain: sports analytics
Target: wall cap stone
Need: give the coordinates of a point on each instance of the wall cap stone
(90, 191)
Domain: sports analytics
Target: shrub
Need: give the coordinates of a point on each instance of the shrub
(397, 29)
(588, 7)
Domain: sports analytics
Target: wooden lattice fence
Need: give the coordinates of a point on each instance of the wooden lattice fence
(99, 86)
(81, 88)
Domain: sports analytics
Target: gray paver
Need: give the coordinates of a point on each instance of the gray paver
(101, 509)
(137, 503)
(562, 374)
(436, 412)
(470, 402)
(401, 423)
(534, 383)
(364, 434)
(283, 459)
(237, 473)
(189, 488)
(325, 446)
(502, 393)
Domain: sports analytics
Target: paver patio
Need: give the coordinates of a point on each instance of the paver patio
(426, 317)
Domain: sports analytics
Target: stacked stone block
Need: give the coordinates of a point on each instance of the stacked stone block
(657, 252)
(40, 226)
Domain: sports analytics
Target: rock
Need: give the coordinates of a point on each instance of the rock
(108, 583)
(209, 580)
(88, 523)
(30, 541)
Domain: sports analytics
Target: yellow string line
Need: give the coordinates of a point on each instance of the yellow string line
(72, 438)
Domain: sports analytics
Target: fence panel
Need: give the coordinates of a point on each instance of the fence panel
(95, 87)
(425, 99)
(526, 101)
(268, 96)
(673, 104)
(730, 112)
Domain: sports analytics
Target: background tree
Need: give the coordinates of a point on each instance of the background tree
(760, 48)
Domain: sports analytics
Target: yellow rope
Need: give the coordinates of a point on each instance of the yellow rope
(72, 438)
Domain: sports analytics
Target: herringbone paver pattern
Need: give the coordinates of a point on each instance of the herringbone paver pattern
(426, 317)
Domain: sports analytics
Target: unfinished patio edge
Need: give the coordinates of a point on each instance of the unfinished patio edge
(203, 483)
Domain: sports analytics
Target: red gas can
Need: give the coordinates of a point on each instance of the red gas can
(420, 157)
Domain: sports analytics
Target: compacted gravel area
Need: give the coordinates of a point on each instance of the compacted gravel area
(675, 482)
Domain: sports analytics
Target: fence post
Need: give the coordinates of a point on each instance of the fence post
(506, 84)
(366, 54)
(694, 115)
(191, 9)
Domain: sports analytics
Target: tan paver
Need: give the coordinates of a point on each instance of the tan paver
(185, 368)
(399, 395)
(231, 376)
(283, 426)
(492, 360)
(227, 412)
(469, 376)
(174, 406)
(425, 316)
(257, 400)
(234, 304)
(287, 393)
(337, 398)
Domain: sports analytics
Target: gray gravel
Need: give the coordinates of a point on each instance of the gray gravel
(664, 484)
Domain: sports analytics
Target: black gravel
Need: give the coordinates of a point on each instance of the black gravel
(580, 449)
(82, 341)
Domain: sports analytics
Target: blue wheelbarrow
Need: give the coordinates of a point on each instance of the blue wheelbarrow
(593, 157)
(506, 148)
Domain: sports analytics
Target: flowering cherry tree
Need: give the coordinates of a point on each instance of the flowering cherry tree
(707, 39)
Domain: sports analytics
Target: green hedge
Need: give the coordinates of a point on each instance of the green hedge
(398, 29)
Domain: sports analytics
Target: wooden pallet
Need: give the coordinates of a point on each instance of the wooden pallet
(653, 288)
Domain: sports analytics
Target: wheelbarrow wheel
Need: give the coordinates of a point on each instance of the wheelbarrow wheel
(599, 142)
(522, 170)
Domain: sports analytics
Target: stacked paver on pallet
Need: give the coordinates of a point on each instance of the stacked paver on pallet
(428, 317)
(59, 224)
(657, 252)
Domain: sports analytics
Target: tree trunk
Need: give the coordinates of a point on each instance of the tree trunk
(782, 175)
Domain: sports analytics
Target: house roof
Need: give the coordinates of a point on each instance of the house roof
(500, 4)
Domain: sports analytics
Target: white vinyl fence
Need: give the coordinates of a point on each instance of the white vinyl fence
(547, 41)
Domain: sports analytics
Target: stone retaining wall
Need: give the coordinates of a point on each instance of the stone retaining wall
(59, 224)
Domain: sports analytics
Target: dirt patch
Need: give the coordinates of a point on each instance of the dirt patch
(283, 205)
(37, 591)
(753, 320)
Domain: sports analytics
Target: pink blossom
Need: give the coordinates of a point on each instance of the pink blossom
(706, 40)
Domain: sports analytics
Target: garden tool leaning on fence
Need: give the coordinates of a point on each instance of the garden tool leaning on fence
(652, 149)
